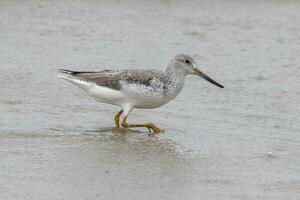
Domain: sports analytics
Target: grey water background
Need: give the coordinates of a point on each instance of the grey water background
(241, 142)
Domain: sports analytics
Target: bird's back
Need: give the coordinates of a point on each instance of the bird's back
(114, 79)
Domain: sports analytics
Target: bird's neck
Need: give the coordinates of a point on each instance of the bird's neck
(174, 78)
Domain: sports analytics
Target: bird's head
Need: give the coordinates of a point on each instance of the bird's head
(187, 65)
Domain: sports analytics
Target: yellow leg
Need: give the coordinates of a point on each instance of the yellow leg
(117, 119)
(150, 126)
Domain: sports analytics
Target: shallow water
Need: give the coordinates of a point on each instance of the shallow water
(241, 142)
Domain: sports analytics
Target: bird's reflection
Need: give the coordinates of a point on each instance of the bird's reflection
(131, 143)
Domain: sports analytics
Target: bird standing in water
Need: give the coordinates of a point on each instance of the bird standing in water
(145, 89)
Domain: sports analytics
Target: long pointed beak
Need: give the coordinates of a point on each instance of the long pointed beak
(201, 74)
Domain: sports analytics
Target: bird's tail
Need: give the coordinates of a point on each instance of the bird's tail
(66, 71)
(74, 73)
(71, 77)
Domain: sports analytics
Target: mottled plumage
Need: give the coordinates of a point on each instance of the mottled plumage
(112, 79)
(136, 88)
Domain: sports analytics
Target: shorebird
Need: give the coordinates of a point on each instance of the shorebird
(144, 89)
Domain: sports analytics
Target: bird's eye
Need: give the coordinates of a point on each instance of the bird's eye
(187, 61)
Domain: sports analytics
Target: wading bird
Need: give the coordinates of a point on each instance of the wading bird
(145, 89)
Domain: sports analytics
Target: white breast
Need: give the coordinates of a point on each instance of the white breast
(152, 96)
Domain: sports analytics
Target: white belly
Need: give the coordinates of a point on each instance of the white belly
(150, 102)
(136, 97)
(144, 97)
(106, 95)
(115, 97)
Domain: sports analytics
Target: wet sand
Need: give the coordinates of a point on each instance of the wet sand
(241, 142)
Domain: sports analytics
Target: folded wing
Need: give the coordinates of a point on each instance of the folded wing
(112, 79)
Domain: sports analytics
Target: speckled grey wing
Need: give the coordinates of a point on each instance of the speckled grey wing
(105, 78)
(111, 79)
(142, 77)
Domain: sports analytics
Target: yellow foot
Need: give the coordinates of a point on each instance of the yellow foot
(150, 126)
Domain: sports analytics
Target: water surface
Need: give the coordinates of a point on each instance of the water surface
(241, 142)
